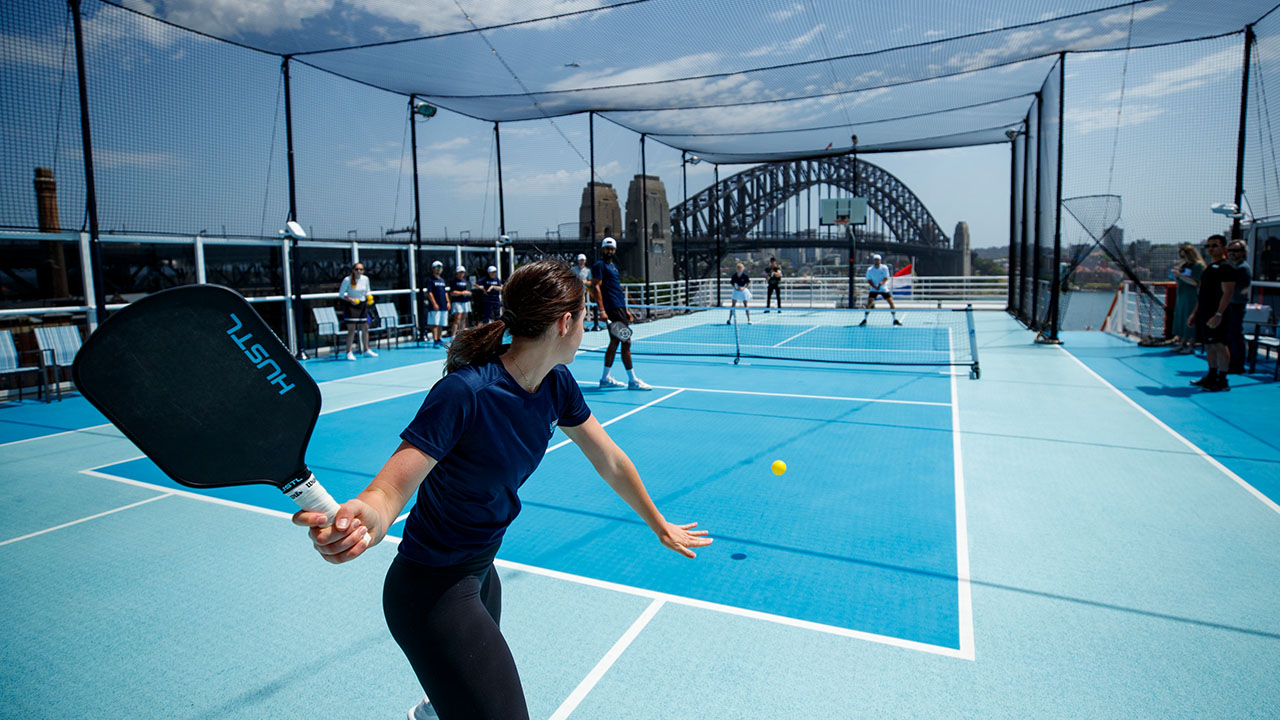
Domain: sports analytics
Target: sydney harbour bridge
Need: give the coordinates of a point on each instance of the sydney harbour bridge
(729, 217)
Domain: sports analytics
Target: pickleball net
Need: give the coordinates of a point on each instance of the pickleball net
(943, 337)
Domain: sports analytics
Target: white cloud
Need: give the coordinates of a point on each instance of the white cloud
(1139, 14)
(1222, 64)
(235, 18)
(1087, 120)
(785, 13)
(451, 144)
(789, 46)
(436, 16)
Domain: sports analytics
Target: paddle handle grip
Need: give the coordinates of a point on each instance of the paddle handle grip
(311, 495)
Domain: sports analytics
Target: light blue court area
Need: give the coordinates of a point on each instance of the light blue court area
(1073, 535)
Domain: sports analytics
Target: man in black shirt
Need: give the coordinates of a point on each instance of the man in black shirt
(1217, 285)
(773, 277)
(1238, 255)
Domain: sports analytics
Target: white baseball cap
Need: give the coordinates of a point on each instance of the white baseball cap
(608, 242)
(581, 256)
(437, 264)
(493, 269)
(876, 257)
(460, 269)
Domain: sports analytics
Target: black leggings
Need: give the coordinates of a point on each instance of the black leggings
(773, 290)
(446, 622)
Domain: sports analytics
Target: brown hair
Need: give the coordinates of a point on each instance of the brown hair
(1190, 254)
(533, 298)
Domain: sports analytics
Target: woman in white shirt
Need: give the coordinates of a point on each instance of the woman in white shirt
(354, 293)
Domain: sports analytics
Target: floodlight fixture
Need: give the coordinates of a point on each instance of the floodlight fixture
(504, 239)
(293, 230)
(426, 110)
(693, 160)
(1228, 209)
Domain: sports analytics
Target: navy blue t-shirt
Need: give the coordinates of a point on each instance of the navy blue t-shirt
(439, 289)
(495, 297)
(610, 286)
(488, 435)
(456, 285)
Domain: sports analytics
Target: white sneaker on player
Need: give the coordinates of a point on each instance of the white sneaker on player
(351, 356)
(370, 353)
(639, 384)
(610, 381)
(423, 711)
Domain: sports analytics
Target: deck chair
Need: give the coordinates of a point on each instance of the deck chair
(327, 325)
(11, 366)
(393, 322)
(58, 347)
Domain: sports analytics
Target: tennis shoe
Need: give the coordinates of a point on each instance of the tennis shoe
(862, 324)
(370, 353)
(897, 323)
(639, 384)
(423, 711)
(351, 356)
(1202, 381)
(610, 381)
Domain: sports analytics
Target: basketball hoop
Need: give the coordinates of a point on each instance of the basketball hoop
(842, 221)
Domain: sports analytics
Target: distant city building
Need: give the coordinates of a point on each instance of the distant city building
(608, 212)
(960, 241)
(649, 190)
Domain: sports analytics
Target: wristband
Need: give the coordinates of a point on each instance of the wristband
(1217, 314)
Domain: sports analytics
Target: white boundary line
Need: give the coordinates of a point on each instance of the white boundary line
(1194, 448)
(964, 603)
(85, 519)
(54, 435)
(793, 337)
(794, 395)
(580, 693)
(562, 443)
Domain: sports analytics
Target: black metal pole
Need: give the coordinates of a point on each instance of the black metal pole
(1035, 249)
(849, 227)
(1249, 39)
(684, 230)
(1055, 287)
(591, 183)
(715, 224)
(502, 210)
(1013, 220)
(295, 266)
(417, 226)
(99, 300)
(644, 217)
(1022, 217)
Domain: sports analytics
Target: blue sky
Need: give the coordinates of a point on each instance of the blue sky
(184, 134)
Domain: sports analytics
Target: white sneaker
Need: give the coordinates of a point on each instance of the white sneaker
(351, 356)
(611, 382)
(423, 711)
(370, 353)
(638, 384)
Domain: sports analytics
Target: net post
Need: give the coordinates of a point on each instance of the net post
(974, 371)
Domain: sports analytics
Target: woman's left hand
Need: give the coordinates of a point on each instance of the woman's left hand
(683, 537)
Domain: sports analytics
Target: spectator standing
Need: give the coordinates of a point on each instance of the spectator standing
(584, 273)
(1216, 288)
(438, 298)
(492, 288)
(353, 292)
(1187, 276)
(1238, 256)
(773, 283)
(460, 299)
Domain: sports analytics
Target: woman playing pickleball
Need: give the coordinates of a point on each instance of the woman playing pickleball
(479, 435)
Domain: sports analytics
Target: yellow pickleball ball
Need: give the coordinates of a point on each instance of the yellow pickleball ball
(779, 467)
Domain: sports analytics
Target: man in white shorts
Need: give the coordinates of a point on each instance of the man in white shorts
(460, 300)
(438, 299)
(878, 278)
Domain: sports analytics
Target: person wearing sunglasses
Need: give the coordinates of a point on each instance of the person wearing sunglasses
(1238, 256)
(1217, 285)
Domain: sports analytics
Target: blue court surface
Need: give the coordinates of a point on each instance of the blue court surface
(1075, 534)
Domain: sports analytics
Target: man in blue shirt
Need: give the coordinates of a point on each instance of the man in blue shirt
(460, 300)
(492, 288)
(607, 289)
(1238, 255)
(438, 297)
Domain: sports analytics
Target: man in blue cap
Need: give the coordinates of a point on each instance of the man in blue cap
(607, 289)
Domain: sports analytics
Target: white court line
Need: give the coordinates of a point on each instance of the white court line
(793, 337)
(580, 693)
(1194, 448)
(795, 395)
(85, 519)
(185, 494)
(54, 435)
(614, 420)
(964, 601)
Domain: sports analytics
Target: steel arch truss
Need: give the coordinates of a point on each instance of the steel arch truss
(745, 199)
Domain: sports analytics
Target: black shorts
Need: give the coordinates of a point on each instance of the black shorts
(617, 315)
(883, 293)
(1220, 335)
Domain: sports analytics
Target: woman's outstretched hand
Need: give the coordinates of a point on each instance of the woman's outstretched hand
(683, 537)
(355, 528)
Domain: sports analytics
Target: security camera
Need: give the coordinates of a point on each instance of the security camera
(1228, 209)
(1011, 133)
(293, 230)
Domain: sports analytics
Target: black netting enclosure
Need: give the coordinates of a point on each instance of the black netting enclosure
(153, 144)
